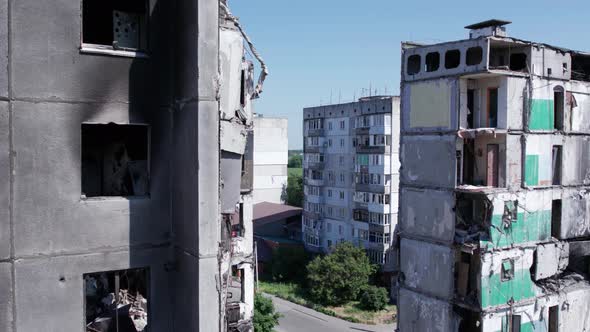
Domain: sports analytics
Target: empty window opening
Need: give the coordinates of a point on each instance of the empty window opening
(558, 107)
(236, 286)
(237, 221)
(518, 62)
(459, 166)
(432, 61)
(492, 111)
(556, 218)
(452, 59)
(556, 165)
(469, 321)
(580, 67)
(115, 160)
(474, 56)
(470, 107)
(507, 270)
(510, 213)
(492, 169)
(117, 300)
(247, 179)
(116, 24)
(515, 323)
(473, 215)
(468, 169)
(414, 64)
(553, 319)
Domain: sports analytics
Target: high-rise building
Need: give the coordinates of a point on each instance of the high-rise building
(124, 201)
(494, 196)
(351, 175)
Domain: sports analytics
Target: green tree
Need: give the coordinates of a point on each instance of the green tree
(287, 263)
(295, 161)
(293, 194)
(374, 298)
(265, 317)
(339, 276)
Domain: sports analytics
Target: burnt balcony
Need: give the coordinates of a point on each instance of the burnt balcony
(312, 215)
(313, 182)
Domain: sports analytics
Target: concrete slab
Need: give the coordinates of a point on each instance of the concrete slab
(422, 260)
(428, 213)
(419, 313)
(50, 289)
(52, 216)
(4, 182)
(6, 290)
(3, 48)
(417, 154)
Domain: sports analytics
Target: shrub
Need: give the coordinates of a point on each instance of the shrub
(374, 298)
(288, 262)
(265, 317)
(339, 276)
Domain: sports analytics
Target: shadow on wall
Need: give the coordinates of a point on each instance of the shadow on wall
(126, 149)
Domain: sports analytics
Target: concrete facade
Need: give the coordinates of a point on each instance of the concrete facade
(54, 235)
(271, 150)
(493, 182)
(351, 175)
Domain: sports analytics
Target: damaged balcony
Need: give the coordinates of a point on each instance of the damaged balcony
(481, 160)
(313, 177)
(377, 144)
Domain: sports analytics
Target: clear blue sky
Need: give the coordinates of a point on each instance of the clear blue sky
(315, 48)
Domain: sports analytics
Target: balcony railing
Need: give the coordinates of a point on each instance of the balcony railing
(379, 149)
(315, 132)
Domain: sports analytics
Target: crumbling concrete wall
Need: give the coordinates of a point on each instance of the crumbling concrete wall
(498, 286)
(421, 260)
(423, 314)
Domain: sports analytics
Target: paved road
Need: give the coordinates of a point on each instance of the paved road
(297, 318)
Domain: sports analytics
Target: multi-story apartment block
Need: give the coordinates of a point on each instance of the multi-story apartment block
(494, 185)
(126, 168)
(351, 175)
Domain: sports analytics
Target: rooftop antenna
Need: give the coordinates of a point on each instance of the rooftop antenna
(339, 95)
(370, 88)
(330, 96)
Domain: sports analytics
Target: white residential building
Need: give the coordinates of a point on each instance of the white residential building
(351, 175)
(270, 159)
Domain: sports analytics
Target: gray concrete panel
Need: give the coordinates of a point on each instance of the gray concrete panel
(428, 161)
(3, 48)
(428, 213)
(52, 216)
(6, 289)
(420, 261)
(50, 65)
(60, 306)
(4, 182)
(419, 313)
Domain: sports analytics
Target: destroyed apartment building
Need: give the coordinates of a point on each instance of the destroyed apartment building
(126, 153)
(494, 194)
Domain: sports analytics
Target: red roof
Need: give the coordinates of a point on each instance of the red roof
(266, 212)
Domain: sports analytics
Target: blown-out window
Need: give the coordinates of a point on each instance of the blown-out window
(115, 24)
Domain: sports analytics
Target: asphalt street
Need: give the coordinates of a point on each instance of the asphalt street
(297, 318)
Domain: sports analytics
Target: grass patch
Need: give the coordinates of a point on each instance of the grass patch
(351, 311)
(295, 172)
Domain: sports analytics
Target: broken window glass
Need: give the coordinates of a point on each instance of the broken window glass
(115, 160)
(117, 300)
